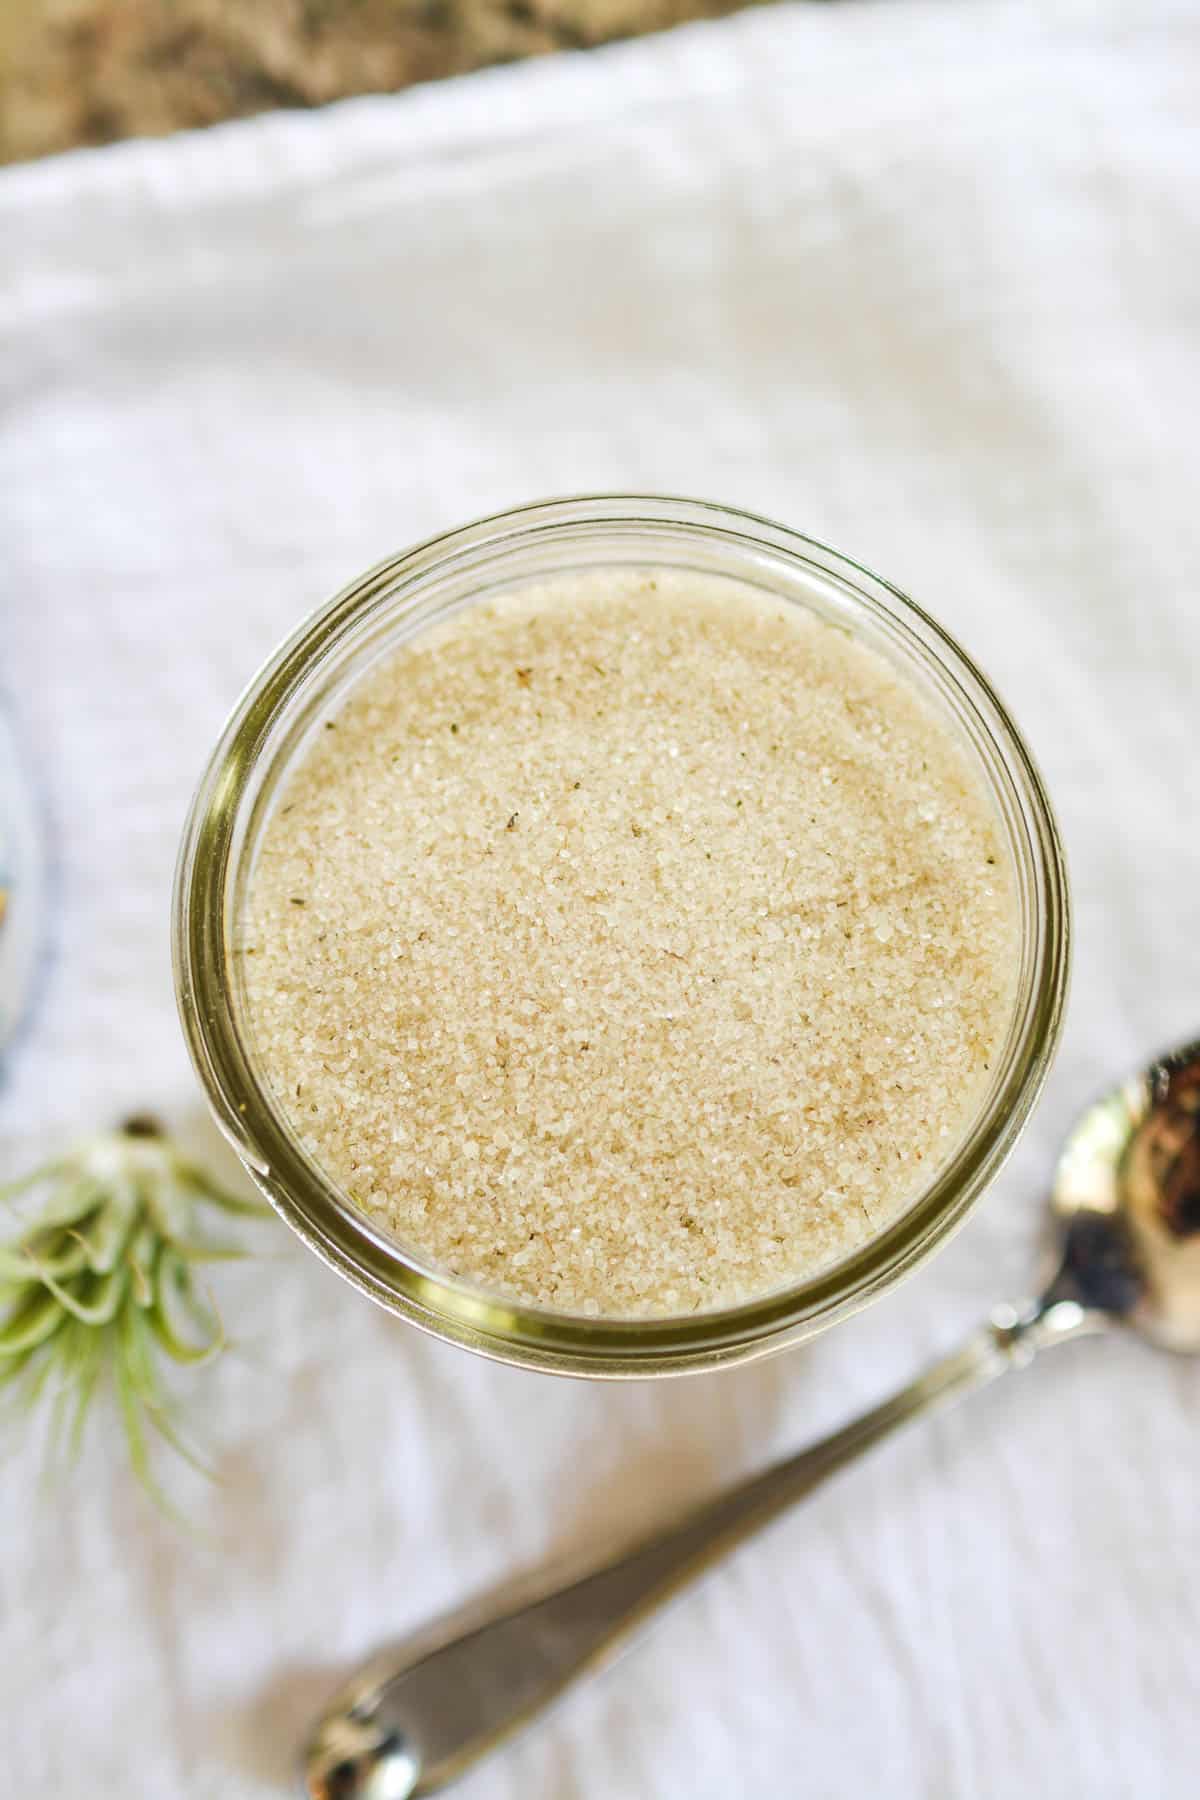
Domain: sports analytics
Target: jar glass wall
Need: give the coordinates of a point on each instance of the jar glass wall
(309, 678)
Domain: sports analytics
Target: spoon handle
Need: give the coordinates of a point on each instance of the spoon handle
(428, 1717)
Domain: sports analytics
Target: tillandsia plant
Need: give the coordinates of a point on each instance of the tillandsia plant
(102, 1283)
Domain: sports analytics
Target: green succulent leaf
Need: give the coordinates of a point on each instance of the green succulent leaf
(143, 1254)
(201, 1250)
(15, 1266)
(112, 1225)
(62, 1252)
(188, 1329)
(33, 1318)
(98, 1287)
(10, 1190)
(74, 1199)
(95, 1300)
(199, 1182)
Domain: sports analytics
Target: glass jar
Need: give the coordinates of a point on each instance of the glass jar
(307, 680)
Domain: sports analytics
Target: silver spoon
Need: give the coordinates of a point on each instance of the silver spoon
(1126, 1214)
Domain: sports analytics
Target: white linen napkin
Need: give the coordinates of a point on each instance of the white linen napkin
(921, 280)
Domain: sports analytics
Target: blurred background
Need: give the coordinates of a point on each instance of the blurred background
(93, 71)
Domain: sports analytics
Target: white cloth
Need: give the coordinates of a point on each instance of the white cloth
(923, 281)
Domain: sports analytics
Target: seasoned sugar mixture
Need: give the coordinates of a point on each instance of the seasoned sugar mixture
(633, 944)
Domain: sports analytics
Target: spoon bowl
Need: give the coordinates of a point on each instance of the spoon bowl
(1126, 1200)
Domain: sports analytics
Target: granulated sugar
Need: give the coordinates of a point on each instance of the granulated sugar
(631, 945)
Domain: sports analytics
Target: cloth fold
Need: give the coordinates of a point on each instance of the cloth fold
(924, 282)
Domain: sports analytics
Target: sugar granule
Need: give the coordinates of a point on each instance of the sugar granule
(636, 944)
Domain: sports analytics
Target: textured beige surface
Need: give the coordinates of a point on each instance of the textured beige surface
(91, 71)
(635, 944)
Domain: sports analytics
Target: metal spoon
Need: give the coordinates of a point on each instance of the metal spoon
(1126, 1214)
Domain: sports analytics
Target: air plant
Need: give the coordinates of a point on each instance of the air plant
(101, 1284)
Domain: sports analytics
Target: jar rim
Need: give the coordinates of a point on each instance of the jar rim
(221, 823)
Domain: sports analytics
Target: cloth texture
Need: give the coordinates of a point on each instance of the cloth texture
(922, 281)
